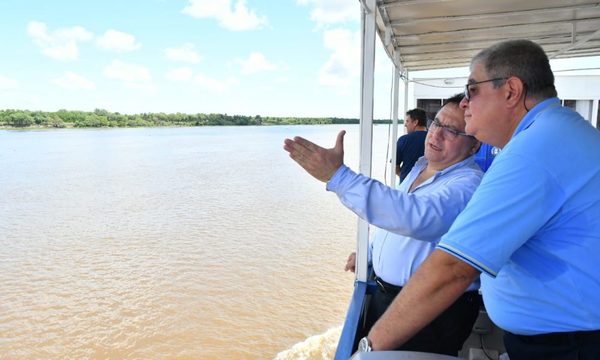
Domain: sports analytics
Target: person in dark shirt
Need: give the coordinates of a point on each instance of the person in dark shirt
(410, 147)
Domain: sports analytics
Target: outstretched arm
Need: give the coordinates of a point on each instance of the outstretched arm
(319, 162)
(440, 280)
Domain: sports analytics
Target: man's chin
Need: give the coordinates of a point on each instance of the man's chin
(470, 130)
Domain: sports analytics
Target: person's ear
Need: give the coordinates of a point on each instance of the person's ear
(513, 90)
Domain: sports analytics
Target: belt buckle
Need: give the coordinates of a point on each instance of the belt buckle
(381, 286)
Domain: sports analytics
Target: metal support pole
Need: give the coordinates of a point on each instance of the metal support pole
(396, 99)
(594, 119)
(366, 123)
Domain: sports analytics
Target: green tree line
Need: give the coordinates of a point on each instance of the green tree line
(104, 118)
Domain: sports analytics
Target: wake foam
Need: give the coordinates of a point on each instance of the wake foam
(316, 347)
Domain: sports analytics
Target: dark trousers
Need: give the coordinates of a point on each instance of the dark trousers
(580, 345)
(445, 335)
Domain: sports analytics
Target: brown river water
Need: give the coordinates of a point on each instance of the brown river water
(179, 243)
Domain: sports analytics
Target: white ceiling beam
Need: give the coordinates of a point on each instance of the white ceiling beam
(580, 42)
(495, 15)
(490, 29)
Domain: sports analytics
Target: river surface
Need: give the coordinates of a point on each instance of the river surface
(179, 243)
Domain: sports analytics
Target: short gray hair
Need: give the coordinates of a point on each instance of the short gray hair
(523, 59)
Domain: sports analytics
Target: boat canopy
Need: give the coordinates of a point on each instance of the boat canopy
(440, 34)
(435, 34)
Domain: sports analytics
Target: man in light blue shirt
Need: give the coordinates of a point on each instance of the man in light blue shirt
(532, 227)
(414, 217)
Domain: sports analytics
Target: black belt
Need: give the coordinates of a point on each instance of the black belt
(562, 337)
(385, 287)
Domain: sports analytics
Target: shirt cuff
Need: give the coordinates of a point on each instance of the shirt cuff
(335, 181)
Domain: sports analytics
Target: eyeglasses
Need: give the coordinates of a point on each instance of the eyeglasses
(447, 131)
(470, 92)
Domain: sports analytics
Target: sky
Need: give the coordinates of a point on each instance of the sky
(296, 58)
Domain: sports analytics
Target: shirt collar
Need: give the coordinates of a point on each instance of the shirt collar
(422, 163)
(530, 117)
(466, 162)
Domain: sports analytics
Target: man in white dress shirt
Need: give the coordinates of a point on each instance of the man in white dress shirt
(411, 219)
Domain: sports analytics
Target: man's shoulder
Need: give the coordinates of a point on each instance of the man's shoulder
(415, 135)
(558, 125)
(418, 133)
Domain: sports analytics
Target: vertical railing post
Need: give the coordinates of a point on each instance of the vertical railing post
(366, 123)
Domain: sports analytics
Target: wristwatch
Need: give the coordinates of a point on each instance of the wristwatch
(364, 345)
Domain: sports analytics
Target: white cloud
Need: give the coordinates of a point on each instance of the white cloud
(342, 68)
(343, 65)
(60, 44)
(181, 74)
(8, 83)
(186, 74)
(236, 18)
(131, 75)
(256, 62)
(218, 86)
(328, 12)
(118, 41)
(184, 53)
(71, 80)
(147, 87)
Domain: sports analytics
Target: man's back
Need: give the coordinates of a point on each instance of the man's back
(548, 226)
(409, 149)
(567, 243)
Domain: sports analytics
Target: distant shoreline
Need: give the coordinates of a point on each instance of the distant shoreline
(65, 119)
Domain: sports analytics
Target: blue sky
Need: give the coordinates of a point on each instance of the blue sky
(248, 57)
(271, 58)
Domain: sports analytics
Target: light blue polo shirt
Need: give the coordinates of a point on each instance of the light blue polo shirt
(533, 226)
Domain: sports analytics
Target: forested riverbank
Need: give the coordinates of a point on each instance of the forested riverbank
(104, 118)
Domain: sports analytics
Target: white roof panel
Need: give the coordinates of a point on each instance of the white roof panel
(433, 34)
